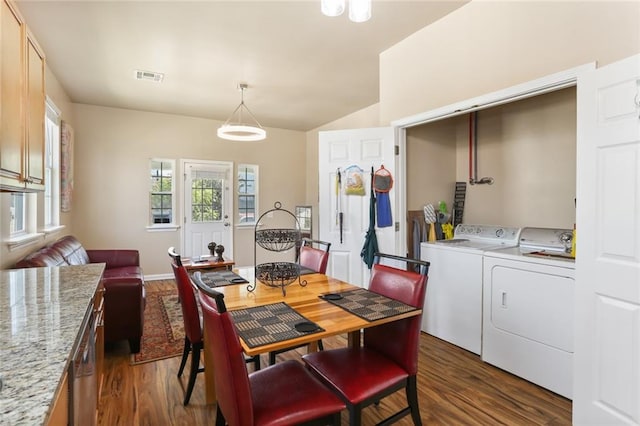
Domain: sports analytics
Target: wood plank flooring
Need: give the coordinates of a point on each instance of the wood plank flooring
(455, 388)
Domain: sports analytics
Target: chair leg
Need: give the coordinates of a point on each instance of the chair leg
(220, 421)
(256, 362)
(412, 399)
(195, 366)
(320, 345)
(185, 354)
(134, 345)
(272, 358)
(355, 415)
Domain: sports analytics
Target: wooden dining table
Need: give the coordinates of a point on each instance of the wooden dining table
(303, 299)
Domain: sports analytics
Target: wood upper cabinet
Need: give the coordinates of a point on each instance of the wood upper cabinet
(11, 92)
(22, 103)
(34, 111)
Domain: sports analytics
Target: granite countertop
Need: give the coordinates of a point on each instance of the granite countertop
(41, 313)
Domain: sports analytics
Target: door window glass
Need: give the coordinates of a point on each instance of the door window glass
(206, 197)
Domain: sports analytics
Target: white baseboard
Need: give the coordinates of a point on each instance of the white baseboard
(158, 277)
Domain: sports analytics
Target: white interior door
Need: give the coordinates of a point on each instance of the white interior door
(607, 341)
(208, 207)
(365, 148)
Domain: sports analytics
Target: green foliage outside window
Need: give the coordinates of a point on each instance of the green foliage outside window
(206, 200)
(161, 196)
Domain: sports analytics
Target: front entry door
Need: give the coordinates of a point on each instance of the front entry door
(208, 207)
(341, 149)
(607, 342)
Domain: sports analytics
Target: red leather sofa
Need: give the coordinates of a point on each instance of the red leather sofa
(124, 296)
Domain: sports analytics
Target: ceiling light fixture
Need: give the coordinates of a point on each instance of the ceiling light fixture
(359, 10)
(235, 129)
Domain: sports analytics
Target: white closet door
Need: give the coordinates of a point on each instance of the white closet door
(607, 341)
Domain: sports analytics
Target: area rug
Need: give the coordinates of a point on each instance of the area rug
(163, 332)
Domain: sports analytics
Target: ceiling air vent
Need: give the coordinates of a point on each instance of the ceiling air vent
(149, 75)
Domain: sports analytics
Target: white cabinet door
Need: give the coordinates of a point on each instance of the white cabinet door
(607, 342)
(340, 149)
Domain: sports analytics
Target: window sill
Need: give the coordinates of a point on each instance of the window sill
(163, 228)
(23, 240)
(248, 225)
(52, 229)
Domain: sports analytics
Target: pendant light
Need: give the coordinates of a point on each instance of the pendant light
(359, 10)
(235, 129)
(332, 7)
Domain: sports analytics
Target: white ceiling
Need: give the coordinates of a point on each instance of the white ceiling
(303, 69)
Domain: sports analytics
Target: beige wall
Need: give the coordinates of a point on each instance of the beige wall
(485, 46)
(431, 163)
(528, 147)
(113, 148)
(8, 258)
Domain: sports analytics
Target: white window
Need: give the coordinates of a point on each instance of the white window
(18, 210)
(247, 194)
(22, 220)
(162, 194)
(52, 167)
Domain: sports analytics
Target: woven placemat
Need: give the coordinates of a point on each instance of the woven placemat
(220, 278)
(306, 271)
(262, 325)
(369, 305)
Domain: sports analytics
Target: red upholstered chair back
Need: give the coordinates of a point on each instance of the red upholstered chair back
(233, 391)
(314, 258)
(190, 313)
(398, 340)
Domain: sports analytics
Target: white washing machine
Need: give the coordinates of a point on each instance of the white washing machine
(528, 309)
(453, 305)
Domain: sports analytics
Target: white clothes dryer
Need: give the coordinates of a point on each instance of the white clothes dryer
(528, 309)
(453, 304)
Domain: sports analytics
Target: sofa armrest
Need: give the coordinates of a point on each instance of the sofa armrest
(115, 258)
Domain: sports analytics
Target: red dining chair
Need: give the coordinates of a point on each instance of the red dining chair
(193, 339)
(315, 259)
(388, 359)
(283, 394)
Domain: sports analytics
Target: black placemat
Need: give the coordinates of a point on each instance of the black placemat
(305, 271)
(369, 305)
(262, 325)
(220, 278)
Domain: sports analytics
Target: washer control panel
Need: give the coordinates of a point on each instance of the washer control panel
(499, 234)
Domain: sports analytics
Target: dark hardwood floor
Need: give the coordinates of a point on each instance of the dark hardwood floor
(455, 388)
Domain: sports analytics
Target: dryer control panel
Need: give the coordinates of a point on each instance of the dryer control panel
(550, 240)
